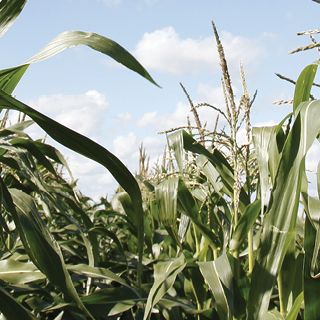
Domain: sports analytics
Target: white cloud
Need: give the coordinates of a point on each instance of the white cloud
(83, 113)
(148, 118)
(125, 145)
(124, 117)
(165, 50)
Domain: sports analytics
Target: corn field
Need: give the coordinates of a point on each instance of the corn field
(217, 230)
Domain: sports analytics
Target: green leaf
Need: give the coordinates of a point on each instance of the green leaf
(218, 275)
(245, 223)
(293, 314)
(95, 41)
(12, 309)
(9, 11)
(9, 78)
(280, 220)
(210, 172)
(304, 85)
(16, 272)
(94, 272)
(190, 208)
(261, 139)
(311, 272)
(165, 274)
(175, 142)
(166, 194)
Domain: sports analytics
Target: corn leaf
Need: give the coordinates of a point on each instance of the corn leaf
(95, 41)
(280, 220)
(245, 223)
(218, 275)
(304, 85)
(165, 274)
(166, 194)
(9, 11)
(311, 271)
(16, 272)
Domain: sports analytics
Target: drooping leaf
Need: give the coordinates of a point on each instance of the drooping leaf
(218, 275)
(165, 274)
(95, 41)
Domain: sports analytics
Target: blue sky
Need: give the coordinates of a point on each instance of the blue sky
(173, 40)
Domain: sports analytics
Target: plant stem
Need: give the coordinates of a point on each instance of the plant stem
(250, 249)
(280, 293)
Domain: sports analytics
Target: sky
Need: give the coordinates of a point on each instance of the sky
(173, 39)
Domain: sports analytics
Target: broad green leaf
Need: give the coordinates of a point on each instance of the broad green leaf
(175, 142)
(12, 309)
(9, 11)
(280, 220)
(190, 208)
(99, 273)
(95, 41)
(110, 301)
(16, 272)
(165, 274)
(210, 172)
(166, 194)
(261, 138)
(218, 275)
(9, 78)
(245, 223)
(304, 85)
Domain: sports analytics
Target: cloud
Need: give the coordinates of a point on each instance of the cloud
(82, 112)
(165, 50)
(124, 117)
(125, 145)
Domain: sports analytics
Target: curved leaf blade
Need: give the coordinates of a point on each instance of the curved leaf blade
(95, 41)
(9, 11)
